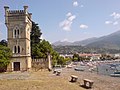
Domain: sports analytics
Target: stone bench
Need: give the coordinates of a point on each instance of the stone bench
(74, 78)
(88, 83)
(58, 73)
(54, 71)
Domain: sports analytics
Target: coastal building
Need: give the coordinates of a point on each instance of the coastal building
(117, 55)
(91, 56)
(19, 24)
(67, 55)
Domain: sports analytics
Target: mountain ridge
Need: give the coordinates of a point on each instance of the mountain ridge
(111, 41)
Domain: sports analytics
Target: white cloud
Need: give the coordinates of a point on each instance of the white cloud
(111, 22)
(71, 18)
(67, 23)
(115, 19)
(83, 26)
(115, 23)
(108, 22)
(115, 15)
(69, 14)
(75, 3)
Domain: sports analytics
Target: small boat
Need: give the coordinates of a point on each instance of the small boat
(79, 69)
(115, 74)
(69, 66)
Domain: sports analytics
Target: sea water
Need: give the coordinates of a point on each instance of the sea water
(107, 69)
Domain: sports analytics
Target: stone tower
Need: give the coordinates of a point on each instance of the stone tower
(19, 26)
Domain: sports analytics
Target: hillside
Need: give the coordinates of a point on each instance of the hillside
(111, 41)
(76, 43)
(106, 44)
(62, 43)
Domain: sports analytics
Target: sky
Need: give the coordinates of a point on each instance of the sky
(68, 20)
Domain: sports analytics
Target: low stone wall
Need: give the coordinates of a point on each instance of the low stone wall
(39, 64)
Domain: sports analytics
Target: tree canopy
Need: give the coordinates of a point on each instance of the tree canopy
(5, 54)
(35, 39)
(3, 42)
(35, 33)
(42, 49)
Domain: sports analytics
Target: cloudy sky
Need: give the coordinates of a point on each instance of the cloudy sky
(68, 20)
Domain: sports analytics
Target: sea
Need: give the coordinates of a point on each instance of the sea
(108, 68)
(105, 67)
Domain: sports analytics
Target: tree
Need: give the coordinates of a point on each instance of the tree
(75, 57)
(42, 49)
(105, 57)
(35, 38)
(35, 33)
(5, 55)
(55, 57)
(45, 48)
(3, 42)
(60, 60)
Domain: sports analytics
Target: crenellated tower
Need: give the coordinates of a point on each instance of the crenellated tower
(19, 26)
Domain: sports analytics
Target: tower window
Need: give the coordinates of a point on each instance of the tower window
(16, 32)
(16, 49)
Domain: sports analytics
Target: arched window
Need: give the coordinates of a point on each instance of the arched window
(16, 32)
(18, 49)
(15, 49)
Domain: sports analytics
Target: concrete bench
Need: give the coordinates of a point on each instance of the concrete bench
(58, 73)
(88, 83)
(74, 78)
(54, 71)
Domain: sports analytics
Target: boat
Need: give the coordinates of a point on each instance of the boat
(79, 68)
(115, 74)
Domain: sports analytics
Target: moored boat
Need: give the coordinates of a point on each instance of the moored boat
(115, 74)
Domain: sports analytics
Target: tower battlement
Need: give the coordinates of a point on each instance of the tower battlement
(16, 12)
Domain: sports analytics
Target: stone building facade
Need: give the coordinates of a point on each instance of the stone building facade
(19, 24)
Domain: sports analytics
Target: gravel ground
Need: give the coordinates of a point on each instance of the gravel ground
(14, 75)
(101, 82)
(43, 80)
